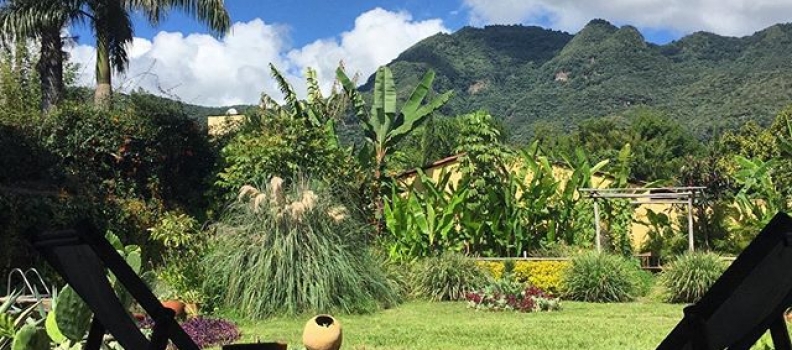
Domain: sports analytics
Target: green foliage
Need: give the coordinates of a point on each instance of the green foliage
(297, 138)
(446, 277)
(757, 201)
(658, 145)
(421, 222)
(601, 278)
(185, 246)
(690, 276)
(384, 126)
(30, 337)
(71, 314)
(293, 252)
(19, 92)
(435, 139)
(663, 239)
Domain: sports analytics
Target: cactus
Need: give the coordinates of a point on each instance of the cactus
(51, 326)
(31, 337)
(72, 315)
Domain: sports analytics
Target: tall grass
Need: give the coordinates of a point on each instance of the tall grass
(446, 277)
(690, 275)
(290, 252)
(601, 278)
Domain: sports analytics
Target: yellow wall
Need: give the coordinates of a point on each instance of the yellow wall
(638, 230)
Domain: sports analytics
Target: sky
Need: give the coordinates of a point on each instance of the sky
(180, 59)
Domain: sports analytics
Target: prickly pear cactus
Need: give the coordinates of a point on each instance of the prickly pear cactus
(30, 337)
(72, 315)
(51, 326)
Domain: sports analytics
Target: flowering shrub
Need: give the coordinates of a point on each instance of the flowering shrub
(545, 274)
(205, 332)
(501, 295)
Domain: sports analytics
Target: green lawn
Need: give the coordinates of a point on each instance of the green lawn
(423, 325)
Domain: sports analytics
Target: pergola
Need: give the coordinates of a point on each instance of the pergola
(661, 195)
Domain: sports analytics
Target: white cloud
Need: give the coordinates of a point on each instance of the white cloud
(205, 70)
(725, 17)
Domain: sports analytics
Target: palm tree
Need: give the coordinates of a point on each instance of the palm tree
(110, 22)
(21, 19)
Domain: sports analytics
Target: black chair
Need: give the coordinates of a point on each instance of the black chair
(82, 256)
(749, 299)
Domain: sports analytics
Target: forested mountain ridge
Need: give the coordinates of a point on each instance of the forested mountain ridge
(526, 75)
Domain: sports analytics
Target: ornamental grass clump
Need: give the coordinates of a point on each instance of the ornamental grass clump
(446, 277)
(601, 278)
(287, 250)
(690, 275)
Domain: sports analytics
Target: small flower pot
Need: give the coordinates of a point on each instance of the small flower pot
(322, 332)
(175, 305)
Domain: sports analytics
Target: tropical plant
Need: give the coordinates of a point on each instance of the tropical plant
(185, 246)
(757, 201)
(422, 221)
(297, 137)
(292, 250)
(601, 278)
(383, 125)
(446, 277)
(689, 276)
(111, 24)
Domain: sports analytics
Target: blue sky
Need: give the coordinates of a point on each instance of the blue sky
(309, 20)
(178, 59)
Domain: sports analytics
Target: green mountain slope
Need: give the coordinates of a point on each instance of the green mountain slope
(527, 74)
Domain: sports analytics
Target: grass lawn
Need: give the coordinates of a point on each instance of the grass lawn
(424, 325)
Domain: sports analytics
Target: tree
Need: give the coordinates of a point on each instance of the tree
(111, 24)
(20, 19)
(384, 126)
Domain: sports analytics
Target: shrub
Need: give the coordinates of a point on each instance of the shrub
(689, 276)
(493, 269)
(446, 277)
(596, 277)
(291, 252)
(546, 275)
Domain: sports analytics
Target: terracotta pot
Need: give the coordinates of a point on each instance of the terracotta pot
(322, 332)
(175, 305)
(256, 346)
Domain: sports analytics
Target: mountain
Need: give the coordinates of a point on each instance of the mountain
(527, 74)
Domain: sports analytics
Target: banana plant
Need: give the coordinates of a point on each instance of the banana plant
(384, 125)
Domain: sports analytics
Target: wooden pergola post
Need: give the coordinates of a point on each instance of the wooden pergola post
(597, 226)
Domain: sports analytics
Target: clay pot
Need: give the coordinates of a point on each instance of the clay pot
(175, 305)
(322, 332)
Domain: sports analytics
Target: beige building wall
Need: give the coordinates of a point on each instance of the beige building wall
(219, 125)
